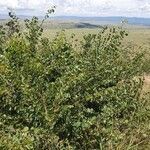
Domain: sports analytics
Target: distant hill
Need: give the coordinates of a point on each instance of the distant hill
(108, 20)
(5, 17)
(90, 22)
(66, 24)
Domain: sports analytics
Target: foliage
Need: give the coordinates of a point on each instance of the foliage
(52, 97)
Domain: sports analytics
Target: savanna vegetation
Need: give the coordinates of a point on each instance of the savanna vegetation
(58, 95)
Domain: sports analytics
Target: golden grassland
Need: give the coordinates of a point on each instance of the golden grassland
(137, 36)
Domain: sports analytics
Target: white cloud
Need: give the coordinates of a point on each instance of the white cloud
(9, 3)
(145, 7)
(138, 8)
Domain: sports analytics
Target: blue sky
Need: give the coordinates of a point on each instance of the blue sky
(130, 8)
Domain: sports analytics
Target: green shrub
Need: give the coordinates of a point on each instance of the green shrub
(52, 97)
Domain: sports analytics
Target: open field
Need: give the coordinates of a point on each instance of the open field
(137, 36)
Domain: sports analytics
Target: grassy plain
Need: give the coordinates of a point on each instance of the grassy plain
(137, 36)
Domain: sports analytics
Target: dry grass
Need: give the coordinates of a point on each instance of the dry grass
(146, 83)
(138, 37)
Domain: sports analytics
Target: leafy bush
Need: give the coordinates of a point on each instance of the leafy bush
(52, 97)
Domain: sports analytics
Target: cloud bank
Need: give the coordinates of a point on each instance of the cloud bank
(131, 8)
